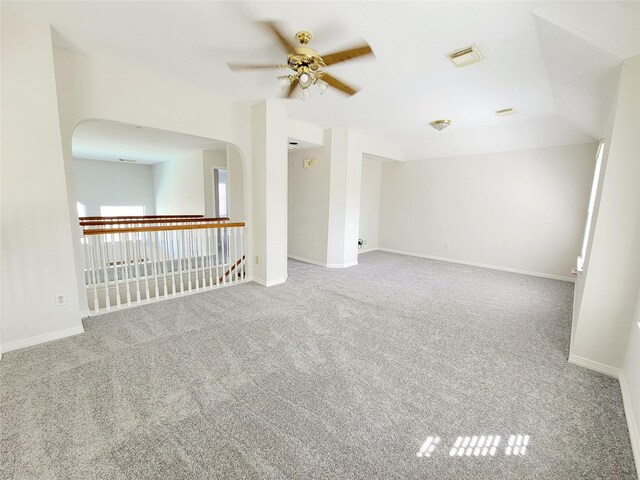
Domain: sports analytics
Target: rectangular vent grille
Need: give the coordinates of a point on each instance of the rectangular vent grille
(506, 111)
(466, 56)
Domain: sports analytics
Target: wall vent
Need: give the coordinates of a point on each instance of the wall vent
(466, 56)
(506, 111)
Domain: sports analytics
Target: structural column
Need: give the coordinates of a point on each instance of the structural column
(344, 198)
(269, 156)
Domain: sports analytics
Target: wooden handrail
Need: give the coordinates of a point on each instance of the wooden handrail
(131, 217)
(85, 223)
(110, 231)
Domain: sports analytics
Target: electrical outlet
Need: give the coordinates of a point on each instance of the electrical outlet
(257, 260)
(61, 300)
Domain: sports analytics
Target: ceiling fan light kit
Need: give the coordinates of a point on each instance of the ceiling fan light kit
(440, 124)
(308, 66)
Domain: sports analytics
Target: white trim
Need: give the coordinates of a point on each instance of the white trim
(271, 283)
(595, 366)
(367, 250)
(85, 313)
(482, 265)
(306, 260)
(634, 433)
(342, 265)
(47, 337)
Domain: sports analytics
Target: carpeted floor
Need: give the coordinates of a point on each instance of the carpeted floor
(336, 374)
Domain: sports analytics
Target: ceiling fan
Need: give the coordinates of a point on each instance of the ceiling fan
(307, 65)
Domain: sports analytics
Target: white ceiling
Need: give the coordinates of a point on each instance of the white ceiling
(555, 61)
(112, 141)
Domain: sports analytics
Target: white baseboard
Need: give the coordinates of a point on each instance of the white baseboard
(482, 265)
(634, 433)
(595, 366)
(367, 250)
(307, 260)
(271, 283)
(342, 265)
(47, 337)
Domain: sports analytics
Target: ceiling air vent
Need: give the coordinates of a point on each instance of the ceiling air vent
(127, 161)
(466, 56)
(506, 111)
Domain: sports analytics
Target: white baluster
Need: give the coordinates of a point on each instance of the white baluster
(154, 265)
(172, 256)
(223, 240)
(146, 273)
(92, 251)
(188, 256)
(235, 254)
(180, 257)
(107, 300)
(242, 255)
(210, 256)
(115, 270)
(193, 235)
(136, 270)
(164, 263)
(87, 276)
(125, 263)
(201, 240)
(215, 234)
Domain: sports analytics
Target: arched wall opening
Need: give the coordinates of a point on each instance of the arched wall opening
(119, 168)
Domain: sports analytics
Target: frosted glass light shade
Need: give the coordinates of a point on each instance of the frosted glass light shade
(321, 85)
(304, 93)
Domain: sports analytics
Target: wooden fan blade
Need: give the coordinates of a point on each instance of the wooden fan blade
(236, 67)
(335, 83)
(286, 44)
(345, 55)
(292, 88)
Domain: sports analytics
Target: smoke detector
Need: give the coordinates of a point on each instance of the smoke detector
(440, 124)
(466, 56)
(506, 111)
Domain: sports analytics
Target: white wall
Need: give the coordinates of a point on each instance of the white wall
(371, 181)
(37, 247)
(237, 185)
(305, 132)
(522, 210)
(179, 185)
(109, 183)
(308, 206)
(630, 380)
(212, 159)
(607, 288)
